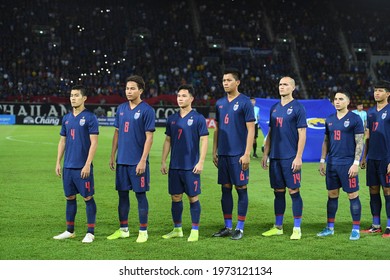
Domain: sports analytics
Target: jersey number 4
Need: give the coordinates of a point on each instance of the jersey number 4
(73, 133)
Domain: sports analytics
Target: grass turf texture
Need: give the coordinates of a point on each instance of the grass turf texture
(32, 208)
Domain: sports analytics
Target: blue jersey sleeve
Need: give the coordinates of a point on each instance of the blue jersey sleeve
(63, 127)
(359, 129)
(249, 112)
(202, 127)
(150, 120)
(117, 114)
(168, 130)
(93, 124)
(301, 121)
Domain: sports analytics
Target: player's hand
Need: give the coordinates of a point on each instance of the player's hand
(244, 161)
(353, 171)
(141, 167)
(296, 164)
(264, 162)
(215, 160)
(85, 171)
(388, 168)
(198, 168)
(163, 169)
(321, 169)
(112, 164)
(58, 170)
(363, 164)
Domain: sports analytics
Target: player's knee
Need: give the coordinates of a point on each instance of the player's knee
(193, 199)
(353, 195)
(71, 197)
(333, 193)
(293, 191)
(88, 198)
(227, 186)
(374, 189)
(176, 197)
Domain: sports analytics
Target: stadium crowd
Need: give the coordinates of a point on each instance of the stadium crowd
(48, 46)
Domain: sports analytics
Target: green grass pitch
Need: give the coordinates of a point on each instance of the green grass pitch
(32, 208)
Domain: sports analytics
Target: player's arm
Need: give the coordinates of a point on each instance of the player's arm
(246, 157)
(165, 153)
(267, 148)
(114, 148)
(388, 160)
(297, 162)
(91, 154)
(215, 145)
(365, 149)
(204, 140)
(141, 166)
(60, 154)
(324, 153)
(354, 169)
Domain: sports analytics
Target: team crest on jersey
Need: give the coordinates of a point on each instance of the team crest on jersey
(346, 123)
(384, 115)
(82, 122)
(235, 107)
(190, 122)
(289, 111)
(136, 115)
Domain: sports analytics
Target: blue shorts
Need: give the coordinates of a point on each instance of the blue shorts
(337, 177)
(183, 181)
(230, 171)
(282, 176)
(376, 173)
(126, 179)
(74, 184)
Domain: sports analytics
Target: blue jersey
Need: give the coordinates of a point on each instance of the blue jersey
(132, 126)
(341, 135)
(185, 135)
(232, 118)
(378, 124)
(284, 122)
(77, 130)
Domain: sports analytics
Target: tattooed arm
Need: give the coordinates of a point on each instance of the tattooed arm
(359, 146)
(354, 169)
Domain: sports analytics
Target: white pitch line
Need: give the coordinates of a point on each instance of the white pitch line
(26, 141)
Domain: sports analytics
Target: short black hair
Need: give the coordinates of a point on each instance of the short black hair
(188, 87)
(345, 92)
(383, 84)
(234, 71)
(138, 80)
(81, 88)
